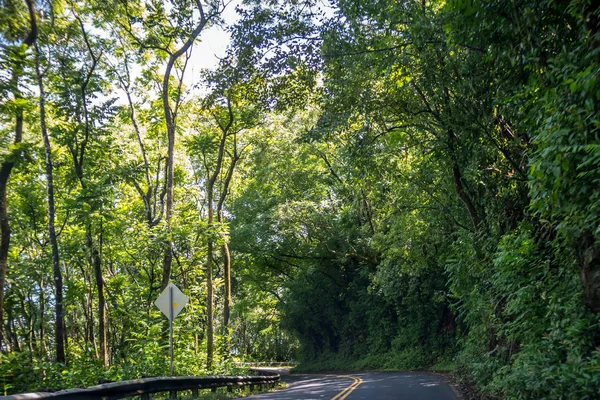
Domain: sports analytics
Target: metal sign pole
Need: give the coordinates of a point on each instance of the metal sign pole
(171, 301)
(171, 324)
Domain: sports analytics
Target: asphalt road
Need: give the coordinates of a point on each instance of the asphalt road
(370, 385)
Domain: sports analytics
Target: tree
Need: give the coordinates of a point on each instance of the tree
(60, 334)
(170, 122)
(16, 63)
(229, 116)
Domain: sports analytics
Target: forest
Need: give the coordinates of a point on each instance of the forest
(355, 185)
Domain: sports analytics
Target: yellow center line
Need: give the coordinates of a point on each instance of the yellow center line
(346, 392)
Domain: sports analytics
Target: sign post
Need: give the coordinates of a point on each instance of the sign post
(171, 301)
(171, 325)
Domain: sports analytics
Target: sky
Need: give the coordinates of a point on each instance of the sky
(212, 43)
(210, 46)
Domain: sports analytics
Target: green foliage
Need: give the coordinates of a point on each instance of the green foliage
(542, 343)
(415, 187)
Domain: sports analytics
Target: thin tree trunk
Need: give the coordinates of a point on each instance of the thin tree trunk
(466, 199)
(224, 192)
(102, 323)
(88, 314)
(210, 250)
(459, 186)
(170, 122)
(90, 336)
(59, 336)
(42, 321)
(95, 260)
(209, 283)
(29, 318)
(227, 273)
(149, 196)
(96, 263)
(225, 247)
(12, 332)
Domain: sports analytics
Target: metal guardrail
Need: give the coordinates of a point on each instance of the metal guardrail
(265, 364)
(145, 387)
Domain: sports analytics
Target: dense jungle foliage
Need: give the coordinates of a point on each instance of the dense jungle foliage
(356, 185)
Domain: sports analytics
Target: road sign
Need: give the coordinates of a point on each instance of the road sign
(171, 301)
(179, 301)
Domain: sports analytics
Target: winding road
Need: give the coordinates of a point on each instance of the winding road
(368, 385)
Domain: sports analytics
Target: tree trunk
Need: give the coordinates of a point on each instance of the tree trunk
(5, 170)
(28, 316)
(7, 166)
(225, 248)
(101, 309)
(58, 284)
(459, 186)
(42, 320)
(209, 283)
(589, 260)
(227, 273)
(170, 122)
(78, 159)
(97, 265)
(466, 199)
(12, 332)
(95, 262)
(88, 314)
(210, 250)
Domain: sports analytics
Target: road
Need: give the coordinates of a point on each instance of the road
(368, 385)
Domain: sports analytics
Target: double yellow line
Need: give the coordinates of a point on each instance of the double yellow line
(346, 392)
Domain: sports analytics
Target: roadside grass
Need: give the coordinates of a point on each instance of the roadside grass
(443, 366)
(409, 360)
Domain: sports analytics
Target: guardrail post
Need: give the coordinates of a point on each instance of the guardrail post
(214, 390)
(145, 396)
(229, 388)
(173, 394)
(252, 387)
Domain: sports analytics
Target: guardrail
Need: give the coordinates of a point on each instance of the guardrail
(145, 387)
(265, 364)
